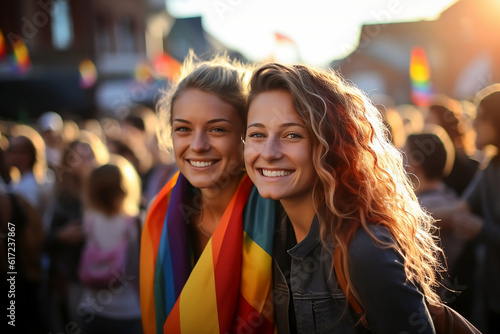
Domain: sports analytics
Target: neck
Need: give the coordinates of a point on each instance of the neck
(24, 169)
(214, 203)
(426, 185)
(301, 214)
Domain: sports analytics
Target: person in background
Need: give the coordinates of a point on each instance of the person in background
(111, 217)
(50, 125)
(430, 157)
(164, 167)
(65, 237)
(318, 145)
(157, 165)
(33, 180)
(412, 116)
(482, 197)
(447, 113)
(391, 118)
(21, 242)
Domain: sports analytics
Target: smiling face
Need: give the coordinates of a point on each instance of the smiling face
(277, 149)
(206, 136)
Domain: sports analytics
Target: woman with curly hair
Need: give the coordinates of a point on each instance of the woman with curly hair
(318, 145)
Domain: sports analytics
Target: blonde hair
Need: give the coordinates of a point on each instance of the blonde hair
(131, 184)
(361, 180)
(116, 180)
(86, 146)
(40, 162)
(225, 78)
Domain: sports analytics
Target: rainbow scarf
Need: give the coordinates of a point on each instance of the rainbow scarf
(227, 291)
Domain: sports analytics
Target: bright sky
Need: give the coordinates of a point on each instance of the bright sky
(323, 30)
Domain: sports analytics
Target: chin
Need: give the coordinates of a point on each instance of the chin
(269, 195)
(200, 183)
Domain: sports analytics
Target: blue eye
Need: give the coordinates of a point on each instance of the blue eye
(181, 129)
(218, 130)
(256, 135)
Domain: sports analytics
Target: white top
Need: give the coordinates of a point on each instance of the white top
(29, 189)
(38, 195)
(120, 300)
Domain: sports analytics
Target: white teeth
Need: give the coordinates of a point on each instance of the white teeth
(201, 163)
(275, 173)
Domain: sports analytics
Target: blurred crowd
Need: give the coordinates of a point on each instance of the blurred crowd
(47, 171)
(52, 177)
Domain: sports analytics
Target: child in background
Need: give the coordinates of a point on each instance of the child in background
(113, 199)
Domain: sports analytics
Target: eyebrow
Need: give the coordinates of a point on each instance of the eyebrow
(215, 120)
(284, 125)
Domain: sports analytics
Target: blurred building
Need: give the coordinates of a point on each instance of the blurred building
(462, 49)
(89, 57)
(72, 47)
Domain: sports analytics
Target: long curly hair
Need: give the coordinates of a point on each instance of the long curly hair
(361, 179)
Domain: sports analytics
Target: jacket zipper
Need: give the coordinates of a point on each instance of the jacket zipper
(314, 314)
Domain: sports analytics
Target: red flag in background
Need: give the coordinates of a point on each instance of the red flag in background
(167, 66)
(280, 38)
(286, 50)
(3, 47)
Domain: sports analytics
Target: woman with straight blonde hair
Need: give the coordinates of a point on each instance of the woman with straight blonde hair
(318, 145)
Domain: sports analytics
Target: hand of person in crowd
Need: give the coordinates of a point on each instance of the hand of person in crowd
(466, 225)
(72, 233)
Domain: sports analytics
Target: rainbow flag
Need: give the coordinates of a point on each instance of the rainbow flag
(420, 75)
(21, 56)
(226, 291)
(88, 73)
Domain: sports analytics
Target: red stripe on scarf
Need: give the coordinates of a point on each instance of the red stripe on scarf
(249, 320)
(227, 259)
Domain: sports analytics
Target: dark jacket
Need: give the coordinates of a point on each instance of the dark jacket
(319, 306)
(483, 197)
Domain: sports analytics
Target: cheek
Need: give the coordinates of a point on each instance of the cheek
(236, 147)
(250, 154)
(178, 145)
(306, 161)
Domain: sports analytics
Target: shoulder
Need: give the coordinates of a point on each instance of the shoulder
(370, 249)
(371, 239)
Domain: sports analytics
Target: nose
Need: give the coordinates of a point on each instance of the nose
(200, 142)
(272, 149)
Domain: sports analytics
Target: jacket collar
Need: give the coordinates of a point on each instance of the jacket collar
(312, 239)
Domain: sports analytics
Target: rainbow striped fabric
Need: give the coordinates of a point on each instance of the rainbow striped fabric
(420, 75)
(229, 290)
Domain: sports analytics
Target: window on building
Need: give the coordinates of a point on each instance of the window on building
(103, 36)
(62, 25)
(124, 34)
